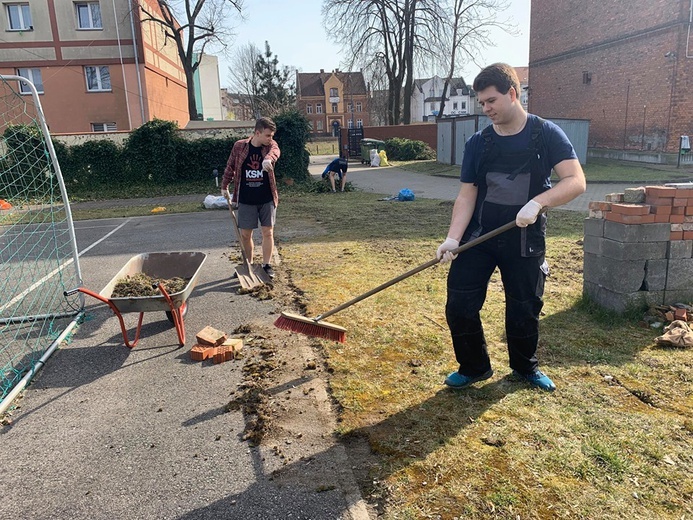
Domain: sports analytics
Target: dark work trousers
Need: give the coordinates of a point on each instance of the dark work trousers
(523, 282)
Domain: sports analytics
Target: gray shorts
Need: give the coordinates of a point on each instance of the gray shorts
(250, 214)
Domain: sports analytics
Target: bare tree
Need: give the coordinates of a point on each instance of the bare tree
(468, 24)
(242, 74)
(194, 25)
(387, 34)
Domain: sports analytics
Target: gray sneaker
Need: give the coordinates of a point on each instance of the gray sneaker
(268, 269)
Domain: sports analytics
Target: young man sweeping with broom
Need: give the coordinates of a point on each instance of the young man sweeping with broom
(505, 176)
(251, 168)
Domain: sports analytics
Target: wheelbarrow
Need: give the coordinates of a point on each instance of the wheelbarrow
(156, 265)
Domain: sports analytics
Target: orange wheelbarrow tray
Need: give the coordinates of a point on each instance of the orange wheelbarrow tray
(156, 265)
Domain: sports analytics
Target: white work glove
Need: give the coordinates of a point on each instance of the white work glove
(444, 252)
(267, 165)
(528, 214)
(225, 193)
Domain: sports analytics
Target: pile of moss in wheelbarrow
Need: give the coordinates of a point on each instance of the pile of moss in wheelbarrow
(141, 284)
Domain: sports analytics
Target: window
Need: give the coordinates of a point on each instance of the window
(454, 105)
(318, 108)
(310, 125)
(359, 123)
(464, 105)
(98, 78)
(309, 109)
(19, 16)
(88, 15)
(334, 92)
(350, 124)
(358, 106)
(349, 107)
(103, 127)
(33, 75)
(334, 108)
(319, 125)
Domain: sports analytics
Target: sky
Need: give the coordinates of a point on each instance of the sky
(296, 35)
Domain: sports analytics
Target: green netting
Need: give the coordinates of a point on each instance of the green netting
(38, 259)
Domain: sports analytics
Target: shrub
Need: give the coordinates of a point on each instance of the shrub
(93, 164)
(26, 165)
(293, 132)
(400, 149)
(197, 159)
(150, 152)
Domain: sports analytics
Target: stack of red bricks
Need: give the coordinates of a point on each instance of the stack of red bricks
(215, 344)
(648, 205)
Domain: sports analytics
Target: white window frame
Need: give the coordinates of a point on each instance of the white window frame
(100, 87)
(309, 109)
(90, 8)
(350, 124)
(335, 108)
(359, 123)
(454, 105)
(104, 127)
(319, 125)
(358, 106)
(318, 108)
(24, 13)
(334, 92)
(33, 75)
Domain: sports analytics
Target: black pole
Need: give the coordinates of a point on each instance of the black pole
(678, 157)
(642, 140)
(625, 121)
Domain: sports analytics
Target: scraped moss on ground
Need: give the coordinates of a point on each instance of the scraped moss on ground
(141, 284)
(614, 441)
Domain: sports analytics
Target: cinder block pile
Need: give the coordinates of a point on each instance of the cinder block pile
(215, 344)
(639, 247)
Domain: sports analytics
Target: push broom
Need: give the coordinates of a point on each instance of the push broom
(322, 329)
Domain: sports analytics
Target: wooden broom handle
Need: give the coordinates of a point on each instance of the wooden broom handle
(430, 263)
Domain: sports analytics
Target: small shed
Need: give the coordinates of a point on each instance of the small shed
(453, 133)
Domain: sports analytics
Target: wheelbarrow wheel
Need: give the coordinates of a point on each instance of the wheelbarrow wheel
(183, 312)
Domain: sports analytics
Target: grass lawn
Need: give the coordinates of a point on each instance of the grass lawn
(614, 441)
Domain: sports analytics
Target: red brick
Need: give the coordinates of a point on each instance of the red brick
(678, 210)
(629, 219)
(661, 219)
(676, 235)
(661, 210)
(211, 336)
(681, 314)
(676, 219)
(201, 352)
(689, 210)
(680, 202)
(660, 191)
(600, 205)
(684, 193)
(630, 209)
(688, 235)
(659, 201)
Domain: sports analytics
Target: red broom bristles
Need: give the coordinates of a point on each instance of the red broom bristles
(309, 327)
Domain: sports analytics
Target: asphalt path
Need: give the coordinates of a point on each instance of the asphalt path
(107, 432)
(390, 180)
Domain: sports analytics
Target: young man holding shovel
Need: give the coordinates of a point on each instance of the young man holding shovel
(251, 169)
(505, 176)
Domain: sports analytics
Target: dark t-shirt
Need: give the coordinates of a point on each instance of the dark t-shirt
(255, 186)
(557, 146)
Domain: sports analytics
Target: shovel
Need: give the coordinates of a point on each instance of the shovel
(248, 276)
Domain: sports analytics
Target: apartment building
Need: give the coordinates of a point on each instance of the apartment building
(333, 100)
(96, 64)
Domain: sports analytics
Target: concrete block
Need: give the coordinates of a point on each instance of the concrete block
(682, 296)
(680, 249)
(680, 275)
(655, 275)
(594, 227)
(634, 195)
(636, 233)
(621, 302)
(593, 245)
(623, 276)
(624, 250)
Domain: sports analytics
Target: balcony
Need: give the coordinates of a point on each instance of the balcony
(334, 99)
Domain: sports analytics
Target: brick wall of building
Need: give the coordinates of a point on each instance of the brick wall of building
(621, 67)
